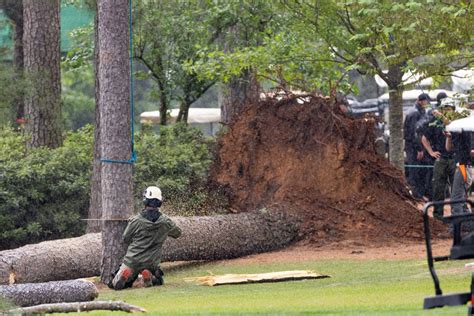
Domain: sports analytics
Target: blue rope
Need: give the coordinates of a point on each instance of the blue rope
(133, 158)
(418, 166)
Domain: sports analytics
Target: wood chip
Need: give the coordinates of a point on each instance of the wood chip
(280, 276)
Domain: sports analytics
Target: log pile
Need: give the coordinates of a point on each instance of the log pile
(204, 238)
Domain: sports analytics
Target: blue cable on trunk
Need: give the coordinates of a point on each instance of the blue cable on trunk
(133, 157)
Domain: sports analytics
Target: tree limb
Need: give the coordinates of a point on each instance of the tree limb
(77, 307)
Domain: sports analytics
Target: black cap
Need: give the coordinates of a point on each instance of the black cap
(441, 96)
(424, 96)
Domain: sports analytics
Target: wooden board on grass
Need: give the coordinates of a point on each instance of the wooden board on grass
(280, 276)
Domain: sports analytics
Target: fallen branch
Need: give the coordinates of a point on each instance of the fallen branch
(30, 294)
(77, 307)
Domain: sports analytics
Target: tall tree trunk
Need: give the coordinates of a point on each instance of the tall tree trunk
(163, 105)
(395, 115)
(114, 103)
(239, 92)
(95, 204)
(42, 66)
(183, 112)
(14, 10)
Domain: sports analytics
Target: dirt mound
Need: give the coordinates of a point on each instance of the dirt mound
(310, 158)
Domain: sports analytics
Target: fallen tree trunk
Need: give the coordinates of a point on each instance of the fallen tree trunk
(30, 294)
(204, 238)
(77, 307)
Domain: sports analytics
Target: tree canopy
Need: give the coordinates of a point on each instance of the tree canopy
(311, 45)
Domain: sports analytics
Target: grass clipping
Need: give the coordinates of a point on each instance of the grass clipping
(280, 276)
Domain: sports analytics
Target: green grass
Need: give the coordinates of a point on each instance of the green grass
(355, 288)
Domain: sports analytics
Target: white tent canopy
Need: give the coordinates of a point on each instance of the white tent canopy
(413, 94)
(195, 115)
(463, 80)
(407, 79)
(465, 124)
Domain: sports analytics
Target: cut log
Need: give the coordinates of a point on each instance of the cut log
(30, 294)
(62, 259)
(77, 307)
(204, 238)
(212, 280)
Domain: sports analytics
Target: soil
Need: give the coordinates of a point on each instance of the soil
(304, 155)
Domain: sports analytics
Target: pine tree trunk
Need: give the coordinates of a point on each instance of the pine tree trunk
(30, 294)
(204, 238)
(238, 93)
(115, 133)
(95, 203)
(42, 67)
(14, 10)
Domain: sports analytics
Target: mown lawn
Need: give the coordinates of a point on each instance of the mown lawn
(380, 287)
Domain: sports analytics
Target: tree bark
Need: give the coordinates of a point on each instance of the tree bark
(62, 259)
(163, 104)
(183, 112)
(204, 238)
(42, 67)
(14, 10)
(95, 202)
(395, 115)
(30, 294)
(115, 128)
(77, 308)
(237, 94)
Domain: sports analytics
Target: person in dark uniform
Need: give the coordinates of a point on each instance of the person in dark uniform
(434, 141)
(416, 176)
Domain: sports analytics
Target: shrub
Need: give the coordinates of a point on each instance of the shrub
(177, 160)
(43, 193)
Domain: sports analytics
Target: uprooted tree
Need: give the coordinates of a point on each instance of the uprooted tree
(318, 165)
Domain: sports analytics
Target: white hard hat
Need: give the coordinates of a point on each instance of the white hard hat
(447, 102)
(153, 193)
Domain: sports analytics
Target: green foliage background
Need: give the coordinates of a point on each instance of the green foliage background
(44, 193)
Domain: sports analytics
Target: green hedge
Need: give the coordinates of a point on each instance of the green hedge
(44, 193)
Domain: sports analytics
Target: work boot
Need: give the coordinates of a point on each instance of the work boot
(121, 278)
(147, 278)
(158, 277)
(157, 281)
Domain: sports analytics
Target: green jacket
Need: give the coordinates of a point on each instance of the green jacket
(145, 240)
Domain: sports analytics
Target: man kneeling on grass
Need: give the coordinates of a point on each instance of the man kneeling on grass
(145, 235)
